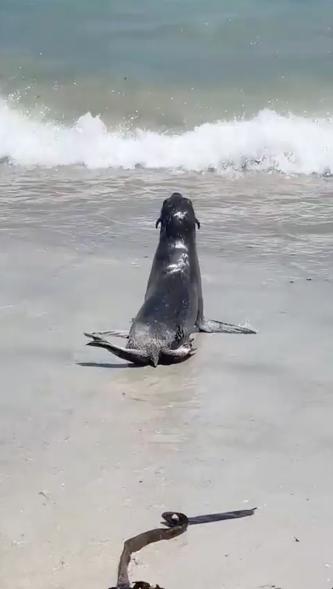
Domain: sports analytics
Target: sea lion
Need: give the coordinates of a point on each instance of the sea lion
(177, 523)
(173, 305)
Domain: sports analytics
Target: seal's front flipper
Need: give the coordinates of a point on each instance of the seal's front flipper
(131, 355)
(114, 332)
(211, 326)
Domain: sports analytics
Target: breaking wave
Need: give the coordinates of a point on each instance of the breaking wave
(267, 142)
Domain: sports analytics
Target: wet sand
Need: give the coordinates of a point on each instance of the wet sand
(92, 451)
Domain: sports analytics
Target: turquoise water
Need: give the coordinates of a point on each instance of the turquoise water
(168, 66)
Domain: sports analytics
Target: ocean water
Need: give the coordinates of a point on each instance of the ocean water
(179, 85)
(106, 108)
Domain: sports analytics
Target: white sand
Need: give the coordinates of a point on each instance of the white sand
(90, 455)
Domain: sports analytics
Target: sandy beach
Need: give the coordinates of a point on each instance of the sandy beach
(93, 451)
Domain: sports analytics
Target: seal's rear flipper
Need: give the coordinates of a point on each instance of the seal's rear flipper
(211, 326)
(131, 355)
(168, 356)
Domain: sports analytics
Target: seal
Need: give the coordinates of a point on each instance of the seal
(176, 523)
(173, 304)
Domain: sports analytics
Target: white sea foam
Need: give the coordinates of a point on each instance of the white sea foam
(269, 141)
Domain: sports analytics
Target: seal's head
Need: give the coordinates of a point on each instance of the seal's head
(177, 216)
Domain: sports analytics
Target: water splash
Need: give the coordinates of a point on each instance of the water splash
(269, 141)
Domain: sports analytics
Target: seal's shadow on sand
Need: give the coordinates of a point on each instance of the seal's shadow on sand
(129, 365)
(106, 365)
